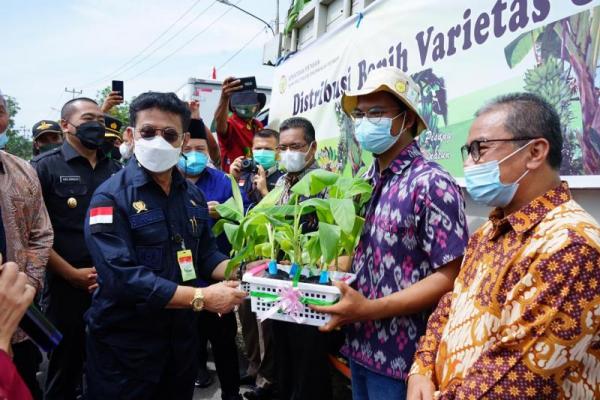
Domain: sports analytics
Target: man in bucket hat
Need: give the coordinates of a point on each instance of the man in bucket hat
(236, 132)
(412, 244)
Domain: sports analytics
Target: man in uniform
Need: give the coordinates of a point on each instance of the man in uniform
(113, 138)
(69, 175)
(148, 233)
(46, 135)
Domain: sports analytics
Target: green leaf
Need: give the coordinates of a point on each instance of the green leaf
(237, 195)
(344, 213)
(314, 182)
(217, 229)
(269, 200)
(233, 235)
(229, 210)
(329, 236)
(516, 50)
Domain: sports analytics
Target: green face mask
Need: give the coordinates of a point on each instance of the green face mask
(264, 157)
(246, 112)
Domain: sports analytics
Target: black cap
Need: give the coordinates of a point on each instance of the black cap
(113, 127)
(247, 97)
(197, 130)
(45, 126)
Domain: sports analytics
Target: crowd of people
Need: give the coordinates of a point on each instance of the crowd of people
(109, 230)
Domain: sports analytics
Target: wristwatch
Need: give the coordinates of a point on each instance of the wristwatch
(198, 300)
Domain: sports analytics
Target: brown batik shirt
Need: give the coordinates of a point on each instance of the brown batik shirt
(523, 319)
(27, 227)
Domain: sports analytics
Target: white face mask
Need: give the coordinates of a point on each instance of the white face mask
(125, 150)
(293, 161)
(156, 154)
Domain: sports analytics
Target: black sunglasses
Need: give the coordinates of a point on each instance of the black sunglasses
(473, 149)
(169, 134)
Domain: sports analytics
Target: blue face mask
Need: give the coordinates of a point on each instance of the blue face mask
(3, 140)
(484, 184)
(193, 163)
(264, 157)
(377, 138)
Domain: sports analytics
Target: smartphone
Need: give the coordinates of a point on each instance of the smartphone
(117, 86)
(248, 83)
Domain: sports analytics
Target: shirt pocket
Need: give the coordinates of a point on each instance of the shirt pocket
(70, 189)
(197, 219)
(150, 235)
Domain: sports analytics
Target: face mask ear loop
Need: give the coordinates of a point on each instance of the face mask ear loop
(515, 152)
(403, 124)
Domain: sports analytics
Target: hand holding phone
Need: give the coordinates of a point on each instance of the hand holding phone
(117, 86)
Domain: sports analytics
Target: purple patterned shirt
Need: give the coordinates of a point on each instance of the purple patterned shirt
(414, 223)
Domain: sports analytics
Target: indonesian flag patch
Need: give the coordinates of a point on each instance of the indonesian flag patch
(101, 215)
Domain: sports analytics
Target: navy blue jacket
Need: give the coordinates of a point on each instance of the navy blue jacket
(136, 259)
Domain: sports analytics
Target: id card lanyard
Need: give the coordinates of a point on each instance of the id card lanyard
(186, 263)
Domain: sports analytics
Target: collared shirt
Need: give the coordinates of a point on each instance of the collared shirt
(68, 182)
(288, 180)
(216, 186)
(25, 221)
(414, 223)
(523, 320)
(238, 141)
(136, 256)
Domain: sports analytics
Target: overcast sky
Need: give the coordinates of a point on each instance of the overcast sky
(84, 44)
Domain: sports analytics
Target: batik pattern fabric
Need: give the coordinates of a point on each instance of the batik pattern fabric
(523, 318)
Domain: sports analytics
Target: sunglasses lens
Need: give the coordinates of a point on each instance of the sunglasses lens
(170, 135)
(147, 132)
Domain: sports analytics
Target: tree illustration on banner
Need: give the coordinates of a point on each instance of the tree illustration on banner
(566, 54)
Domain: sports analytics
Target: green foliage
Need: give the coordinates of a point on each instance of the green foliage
(551, 81)
(269, 228)
(18, 145)
(120, 112)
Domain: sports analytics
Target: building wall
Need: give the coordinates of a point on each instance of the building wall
(589, 199)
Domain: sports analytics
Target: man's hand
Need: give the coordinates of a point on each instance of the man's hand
(194, 107)
(260, 181)
(113, 99)
(230, 85)
(15, 296)
(352, 307)
(212, 209)
(236, 168)
(84, 278)
(420, 387)
(222, 297)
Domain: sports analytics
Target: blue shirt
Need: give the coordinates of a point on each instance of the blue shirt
(216, 186)
(135, 255)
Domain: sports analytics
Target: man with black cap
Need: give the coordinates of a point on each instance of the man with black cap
(112, 138)
(46, 135)
(69, 175)
(236, 132)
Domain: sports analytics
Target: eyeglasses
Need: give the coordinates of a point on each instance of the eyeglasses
(474, 148)
(292, 147)
(169, 134)
(374, 115)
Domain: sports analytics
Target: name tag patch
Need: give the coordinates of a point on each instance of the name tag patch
(70, 179)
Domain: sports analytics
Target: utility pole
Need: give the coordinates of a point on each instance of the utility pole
(23, 129)
(73, 91)
(276, 17)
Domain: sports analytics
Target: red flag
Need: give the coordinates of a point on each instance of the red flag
(214, 73)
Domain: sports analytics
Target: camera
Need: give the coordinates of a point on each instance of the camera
(249, 165)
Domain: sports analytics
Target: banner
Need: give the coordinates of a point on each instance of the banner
(461, 53)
